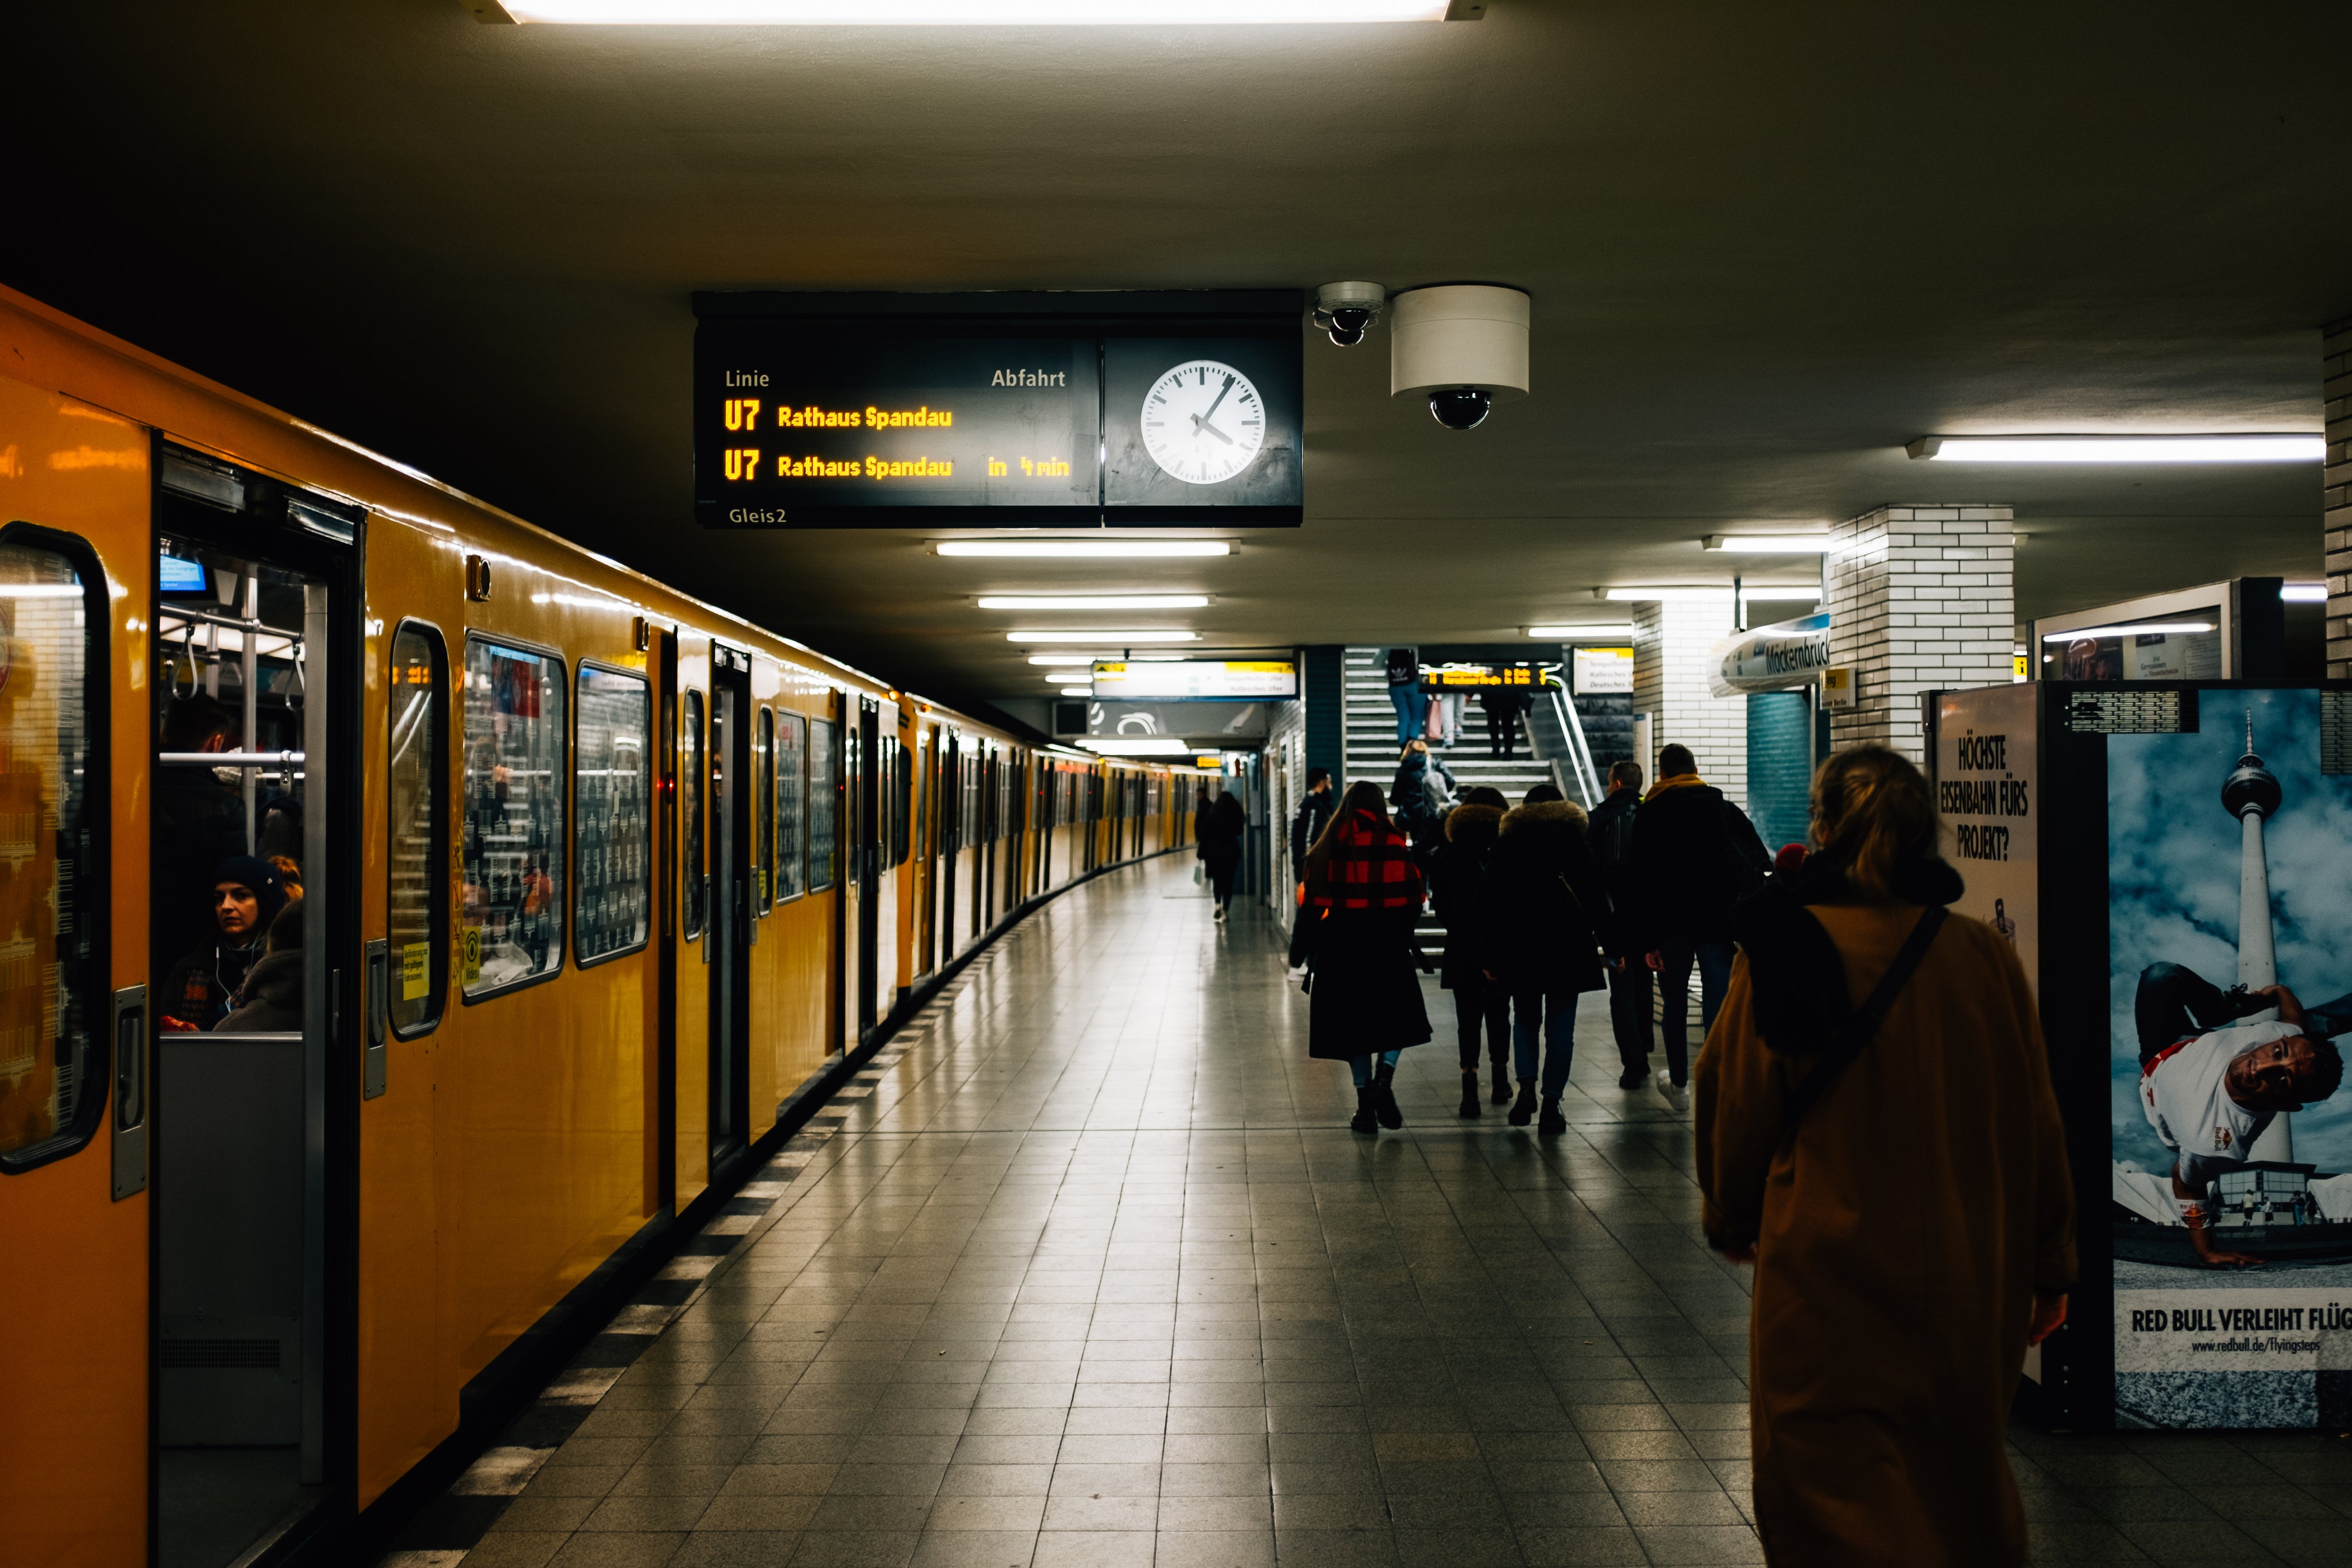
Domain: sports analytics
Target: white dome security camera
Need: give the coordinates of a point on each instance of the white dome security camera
(1347, 310)
(1462, 346)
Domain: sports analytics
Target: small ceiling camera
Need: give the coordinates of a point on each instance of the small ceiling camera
(1347, 310)
(1461, 408)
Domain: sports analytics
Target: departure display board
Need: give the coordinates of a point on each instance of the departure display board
(894, 411)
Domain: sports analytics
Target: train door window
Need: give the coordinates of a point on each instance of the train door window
(694, 888)
(763, 810)
(792, 782)
(902, 803)
(418, 788)
(52, 1088)
(611, 826)
(513, 915)
(824, 818)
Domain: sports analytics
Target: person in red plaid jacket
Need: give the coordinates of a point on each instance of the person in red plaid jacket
(1363, 898)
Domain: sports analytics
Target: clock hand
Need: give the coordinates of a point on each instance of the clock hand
(1201, 423)
(1212, 411)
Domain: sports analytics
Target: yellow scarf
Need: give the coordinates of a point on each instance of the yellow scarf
(1679, 781)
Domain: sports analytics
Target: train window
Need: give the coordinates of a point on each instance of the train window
(417, 918)
(693, 886)
(824, 816)
(902, 802)
(512, 922)
(763, 810)
(612, 835)
(52, 1043)
(792, 815)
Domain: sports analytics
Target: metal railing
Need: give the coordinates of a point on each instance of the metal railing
(1558, 733)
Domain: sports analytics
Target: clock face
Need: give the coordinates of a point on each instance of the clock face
(1203, 422)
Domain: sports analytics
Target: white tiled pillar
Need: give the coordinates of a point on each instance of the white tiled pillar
(1670, 640)
(1919, 600)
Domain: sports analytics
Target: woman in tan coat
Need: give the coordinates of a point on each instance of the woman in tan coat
(1911, 1220)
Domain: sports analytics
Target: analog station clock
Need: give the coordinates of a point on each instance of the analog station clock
(1203, 422)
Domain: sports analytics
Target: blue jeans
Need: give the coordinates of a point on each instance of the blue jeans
(1714, 959)
(1361, 1066)
(1406, 700)
(1557, 1011)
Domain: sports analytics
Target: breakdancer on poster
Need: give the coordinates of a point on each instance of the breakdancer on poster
(2210, 1085)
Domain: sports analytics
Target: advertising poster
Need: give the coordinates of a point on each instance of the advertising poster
(1987, 791)
(2230, 942)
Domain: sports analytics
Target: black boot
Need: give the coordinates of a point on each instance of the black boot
(1384, 1104)
(1363, 1122)
(1524, 1106)
(1470, 1092)
(1552, 1123)
(1502, 1082)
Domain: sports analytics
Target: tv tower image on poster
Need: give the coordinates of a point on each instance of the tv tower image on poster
(2220, 1074)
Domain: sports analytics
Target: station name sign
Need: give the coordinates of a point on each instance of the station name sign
(890, 411)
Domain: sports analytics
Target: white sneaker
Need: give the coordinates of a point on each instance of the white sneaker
(1671, 1093)
(1220, 913)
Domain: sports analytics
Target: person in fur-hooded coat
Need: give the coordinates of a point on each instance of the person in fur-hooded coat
(1545, 920)
(1457, 877)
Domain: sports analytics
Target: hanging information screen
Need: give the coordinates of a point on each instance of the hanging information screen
(847, 410)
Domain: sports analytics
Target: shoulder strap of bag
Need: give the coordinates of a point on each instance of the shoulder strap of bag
(1864, 1021)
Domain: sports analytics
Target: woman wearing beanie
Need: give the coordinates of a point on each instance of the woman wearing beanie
(1363, 895)
(247, 893)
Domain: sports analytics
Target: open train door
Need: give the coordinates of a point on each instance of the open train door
(260, 1009)
(732, 895)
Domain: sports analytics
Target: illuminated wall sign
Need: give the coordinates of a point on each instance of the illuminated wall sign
(1770, 658)
(1603, 671)
(1072, 409)
(1195, 680)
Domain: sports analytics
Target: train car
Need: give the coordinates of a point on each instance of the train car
(415, 923)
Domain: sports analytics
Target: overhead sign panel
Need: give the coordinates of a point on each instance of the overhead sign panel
(1018, 409)
(1195, 680)
(1770, 658)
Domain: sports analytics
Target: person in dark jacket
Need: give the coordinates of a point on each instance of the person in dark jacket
(271, 996)
(1423, 791)
(1363, 895)
(1504, 705)
(1404, 692)
(200, 822)
(1695, 855)
(1221, 827)
(1314, 812)
(1546, 918)
(1457, 874)
(1611, 838)
(247, 894)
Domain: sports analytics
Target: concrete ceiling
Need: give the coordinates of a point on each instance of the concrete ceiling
(1767, 246)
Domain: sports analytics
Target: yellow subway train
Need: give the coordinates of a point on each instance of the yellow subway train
(408, 920)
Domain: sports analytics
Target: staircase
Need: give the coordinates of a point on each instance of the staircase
(1373, 748)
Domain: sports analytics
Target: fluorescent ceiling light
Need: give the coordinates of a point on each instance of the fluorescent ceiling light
(1120, 638)
(1768, 544)
(2147, 628)
(1077, 690)
(1083, 549)
(1092, 601)
(2304, 592)
(953, 13)
(1139, 746)
(1650, 595)
(2120, 448)
(1068, 661)
(1583, 634)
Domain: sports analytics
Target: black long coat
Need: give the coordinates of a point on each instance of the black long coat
(1458, 876)
(1545, 916)
(1365, 996)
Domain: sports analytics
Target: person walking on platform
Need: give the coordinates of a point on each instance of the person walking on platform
(1307, 826)
(1504, 705)
(1404, 692)
(1695, 855)
(1423, 791)
(1457, 875)
(1221, 828)
(1876, 1133)
(1363, 896)
(1544, 914)
(1611, 837)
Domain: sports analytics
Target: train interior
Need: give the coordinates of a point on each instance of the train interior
(239, 869)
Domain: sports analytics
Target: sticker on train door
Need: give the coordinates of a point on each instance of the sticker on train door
(415, 980)
(469, 956)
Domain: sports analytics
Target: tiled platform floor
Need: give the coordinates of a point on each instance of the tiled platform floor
(1093, 1275)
